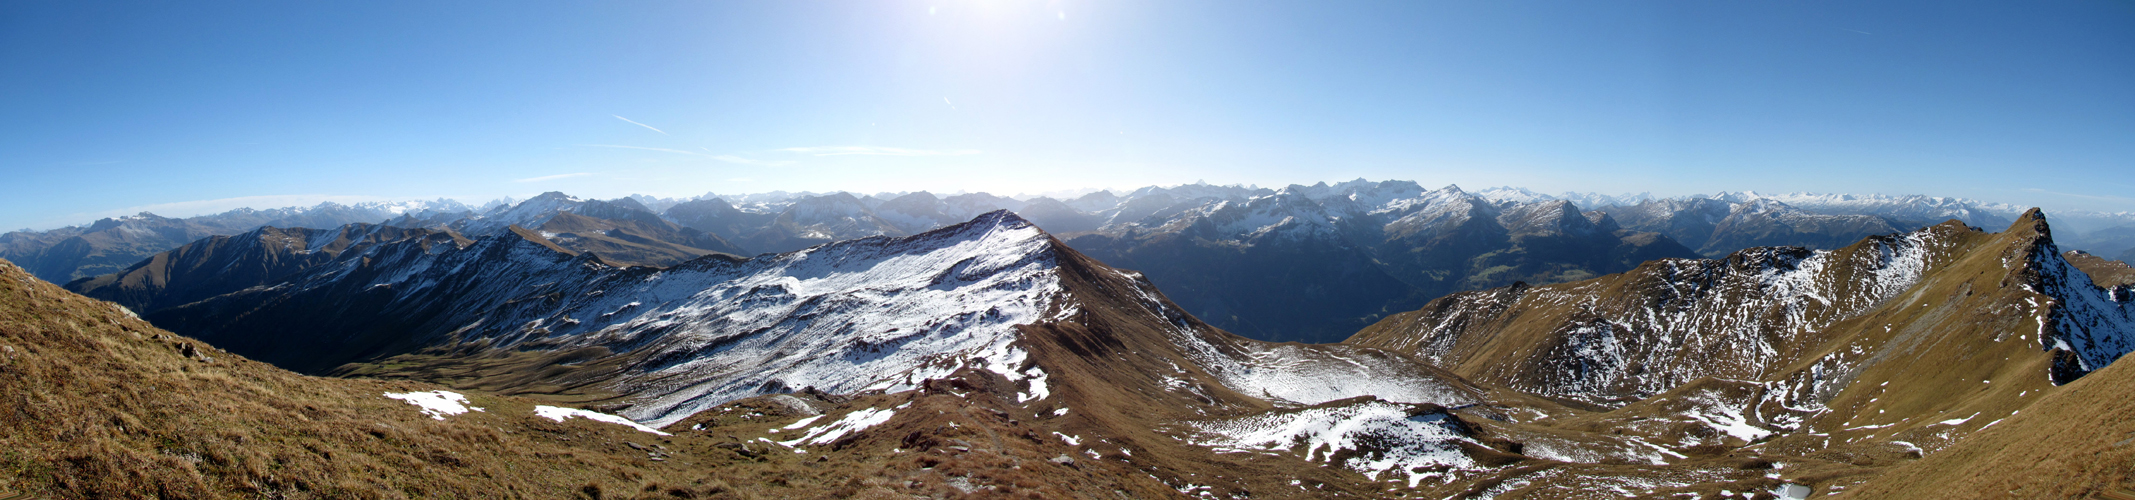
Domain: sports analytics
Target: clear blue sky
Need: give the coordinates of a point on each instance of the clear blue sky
(108, 106)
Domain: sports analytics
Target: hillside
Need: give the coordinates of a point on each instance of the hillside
(102, 405)
(2069, 444)
(2103, 272)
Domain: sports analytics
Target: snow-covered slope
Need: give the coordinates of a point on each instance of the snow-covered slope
(867, 314)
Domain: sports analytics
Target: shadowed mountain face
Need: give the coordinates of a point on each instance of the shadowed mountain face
(222, 264)
(627, 236)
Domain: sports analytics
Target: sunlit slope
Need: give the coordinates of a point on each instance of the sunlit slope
(2074, 443)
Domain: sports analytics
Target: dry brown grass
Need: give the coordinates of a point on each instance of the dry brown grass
(2078, 442)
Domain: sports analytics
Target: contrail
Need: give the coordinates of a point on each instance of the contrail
(620, 117)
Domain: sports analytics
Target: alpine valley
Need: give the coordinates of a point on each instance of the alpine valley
(1354, 340)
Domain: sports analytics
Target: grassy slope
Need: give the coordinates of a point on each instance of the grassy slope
(2074, 443)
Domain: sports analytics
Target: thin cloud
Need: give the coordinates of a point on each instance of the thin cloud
(1858, 31)
(634, 122)
(745, 161)
(707, 154)
(552, 177)
(874, 151)
(664, 150)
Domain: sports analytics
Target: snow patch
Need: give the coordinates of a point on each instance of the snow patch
(558, 413)
(436, 404)
(853, 422)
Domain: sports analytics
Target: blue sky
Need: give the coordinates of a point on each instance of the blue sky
(190, 107)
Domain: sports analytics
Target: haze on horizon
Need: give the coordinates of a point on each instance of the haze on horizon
(117, 106)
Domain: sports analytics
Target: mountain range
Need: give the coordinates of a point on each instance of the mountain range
(991, 344)
(1305, 263)
(112, 244)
